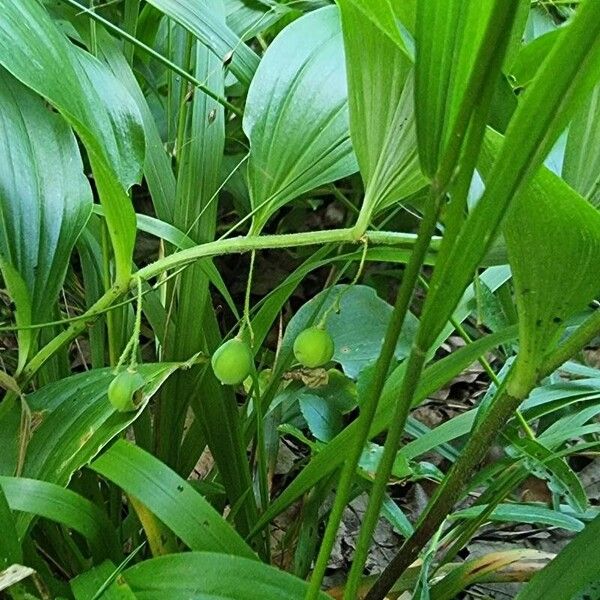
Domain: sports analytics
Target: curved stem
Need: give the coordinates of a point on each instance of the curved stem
(185, 257)
(371, 399)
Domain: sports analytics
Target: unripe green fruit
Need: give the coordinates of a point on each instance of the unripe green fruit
(232, 362)
(313, 347)
(123, 390)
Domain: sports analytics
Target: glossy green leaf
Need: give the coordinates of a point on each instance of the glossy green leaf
(172, 499)
(207, 576)
(296, 115)
(42, 209)
(382, 123)
(51, 501)
(213, 33)
(91, 99)
(157, 165)
(449, 34)
(581, 168)
(570, 572)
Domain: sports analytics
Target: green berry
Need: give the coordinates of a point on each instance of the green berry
(232, 362)
(124, 390)
(313, 347)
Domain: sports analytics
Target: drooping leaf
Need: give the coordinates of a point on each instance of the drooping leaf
(91, 99)
(213, 33)
(296, 115)
(43, 499)
(382, 121)
(45, 200)
(206, 576)
(157, 165)
(172, 499)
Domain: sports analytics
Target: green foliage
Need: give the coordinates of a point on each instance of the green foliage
(413, 188)
(296, 116)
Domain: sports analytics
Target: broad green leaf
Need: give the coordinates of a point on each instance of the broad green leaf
(571, 571)
(200, 20)
(172, 499)
(10, 546)
(208, 576)
(522, 513)
(581, 168)
(323, 407)
(45, 200)
(90, 583)
(357, 328)
(51, 501)
(382, 123)
(449, 34)
(553, 242)
(568, 74)
(296, 115)
(91, 99)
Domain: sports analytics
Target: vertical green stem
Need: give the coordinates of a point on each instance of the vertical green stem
(369, 406)
(453, 174)
(448, 492)
(507, 400)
